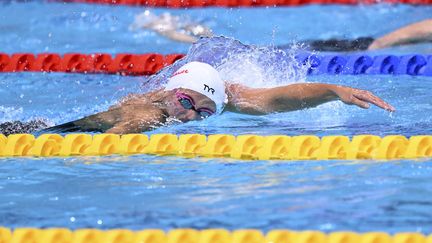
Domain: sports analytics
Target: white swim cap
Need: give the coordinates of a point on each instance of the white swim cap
(202, 78)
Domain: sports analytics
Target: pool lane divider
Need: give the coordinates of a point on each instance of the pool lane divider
(123, 64)
(355, 64)
(248, 147)
(151, 63)
(241, 3)
(62, 235)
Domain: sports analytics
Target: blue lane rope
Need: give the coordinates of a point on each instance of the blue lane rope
(413, 64)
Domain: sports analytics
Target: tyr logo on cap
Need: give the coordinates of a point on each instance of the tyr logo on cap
(208, 89)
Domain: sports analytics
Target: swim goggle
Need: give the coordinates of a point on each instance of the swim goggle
(188, 103)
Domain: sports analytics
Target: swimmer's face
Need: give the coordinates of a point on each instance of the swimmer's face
(188, 105)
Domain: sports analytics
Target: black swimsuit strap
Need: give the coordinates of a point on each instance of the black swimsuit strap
(358, 44)
(67, 128)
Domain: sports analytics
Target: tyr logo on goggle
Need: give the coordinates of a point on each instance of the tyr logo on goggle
(208, 89)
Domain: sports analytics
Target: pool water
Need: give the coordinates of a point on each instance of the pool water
(37, 26)
(144, 191)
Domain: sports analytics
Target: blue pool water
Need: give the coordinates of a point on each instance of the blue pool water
(169, 192)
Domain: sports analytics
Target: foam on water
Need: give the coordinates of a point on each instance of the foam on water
(263, 67)
(249, 65)
(9, 113)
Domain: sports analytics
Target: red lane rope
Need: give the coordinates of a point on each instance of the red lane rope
(241, 3)
(124, 64)
(148, 64)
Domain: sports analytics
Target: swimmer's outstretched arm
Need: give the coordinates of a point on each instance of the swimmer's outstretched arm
(414, 33)
(259, 101)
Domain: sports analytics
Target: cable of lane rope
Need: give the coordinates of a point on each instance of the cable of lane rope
(241, 3)
(61, 235)
(148, 64)
(250, 147)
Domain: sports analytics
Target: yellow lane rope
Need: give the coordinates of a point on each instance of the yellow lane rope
(57, 235)
(275, 147)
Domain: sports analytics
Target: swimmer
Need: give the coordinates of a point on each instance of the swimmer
(419, 32)
(196, 91)
(184, 30)
(171, 26)
(414, 33)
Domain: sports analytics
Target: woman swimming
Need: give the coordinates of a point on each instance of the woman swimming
(184, 30)
(171, 26)
(192, 89)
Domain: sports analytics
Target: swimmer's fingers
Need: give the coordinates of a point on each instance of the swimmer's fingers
(363, 97)
(359, 103)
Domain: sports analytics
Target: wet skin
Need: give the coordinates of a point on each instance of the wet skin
(142, 112)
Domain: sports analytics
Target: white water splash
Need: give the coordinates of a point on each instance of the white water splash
(10, 113)
(249, 65)
(263, 67)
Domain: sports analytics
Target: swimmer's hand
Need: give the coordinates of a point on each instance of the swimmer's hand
(361, 98)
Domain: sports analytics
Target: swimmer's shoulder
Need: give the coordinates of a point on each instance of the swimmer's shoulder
(133, 112)
(140, 99)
